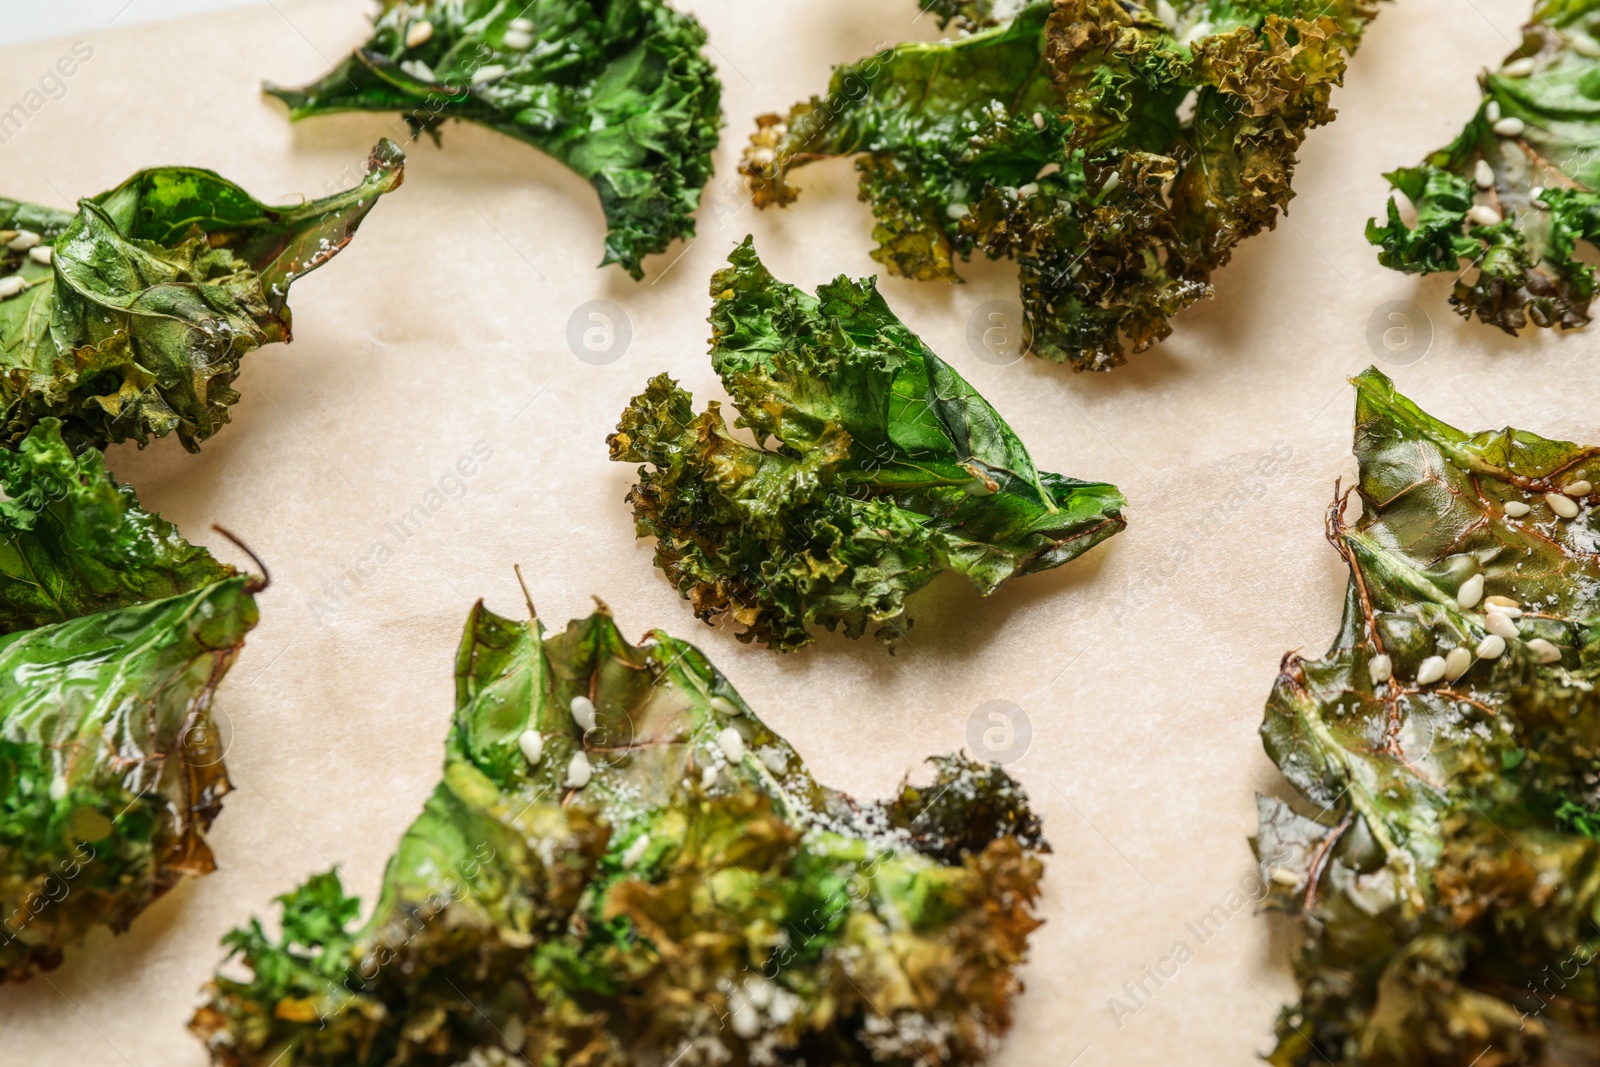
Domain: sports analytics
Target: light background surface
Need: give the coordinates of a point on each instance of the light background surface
(1142, 667)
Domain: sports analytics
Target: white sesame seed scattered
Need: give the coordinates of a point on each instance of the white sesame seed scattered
(724, 706)
(1491, 647)
(578, 771)
(1502, 603)
(775, 760)
(1047, 170)
(1581, 487)
(58, 788)
(708, 777)
(1038, 119)
(635, 852)
(1584, 46)
(1470, 593)
(732, 744)
(1483, 175)
(1562, 505)
(24, 240)
(1456, 662)
(1518, 68)
(958, 211)
(1516, 509)
(1491, 111)
(43, 254)
(419, 34)
(1510, 127)
(1025, 191)
(521, 25)
(1544, 650)
(583, 712)
(10, 287)
(1536, 198)
(532, 744)
(1166, 12)
(1284, 877)
(1500, 625)
(419, 70)
(517, 40)
(1483, 215)
(1381, 668)
(485, 75)
(1431, 670)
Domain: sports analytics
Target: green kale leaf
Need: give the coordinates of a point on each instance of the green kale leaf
(623, 865)
(1446, 885)
(885, 469)
(1519, 188)
(76, 543)
(110, 763)
(615, 89)
(1117, 152)
(128, 320)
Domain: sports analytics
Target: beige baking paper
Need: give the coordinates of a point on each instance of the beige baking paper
(443, 330)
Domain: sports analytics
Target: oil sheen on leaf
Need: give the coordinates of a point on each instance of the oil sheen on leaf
(700, 901)
(1442, 868)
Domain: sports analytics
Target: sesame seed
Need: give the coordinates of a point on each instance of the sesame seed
(1518, 68)
(1038, 119)
(419, 70)
(1166, 12)
(1483, 175)
(517, 41)
(1471, 592)
(43, 254)
(1510, 127)
(521, 25)
(635, 852)
(578, 771)
(732, 744)
(1285, 877)
(775, 760)
(958, 211)
(1584, 46)
(1544, 650)
(1581, 487)
(583, 712)
(10, 287)
(484, 75)
(1483, 215)
(1431, 670)
(1381, 668)
(58, 789)
(1562, 505)
(1491, 111)
(419, 34)
(724, 706)
(1500, 625)
(708, 776)
(1491, 647)
(24, 240)
(1456, 662)
(1516, 509)
(532, 744)
(1025, 191)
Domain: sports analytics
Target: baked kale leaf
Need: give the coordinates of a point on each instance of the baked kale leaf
(1519, 188)
(118, 633)
(1445, 877)
(623, 865)
(615, 89)
(1117, 152)
(128, 319)
(884, 468)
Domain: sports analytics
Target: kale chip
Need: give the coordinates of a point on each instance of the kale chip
(1118, 152)
(1519, 188)
(1446, 881)
(623, 865)
(615, 89)
(886, 468)
(117, 634)
(128, 319)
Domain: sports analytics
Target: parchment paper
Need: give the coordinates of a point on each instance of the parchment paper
(1142, 668)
